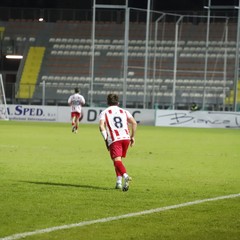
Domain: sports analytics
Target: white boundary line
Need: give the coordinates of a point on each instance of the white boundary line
(109, 219)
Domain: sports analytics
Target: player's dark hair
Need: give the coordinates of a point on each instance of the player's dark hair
(76, 90)
(112, 99)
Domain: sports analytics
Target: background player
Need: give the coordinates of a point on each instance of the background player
(76, 101)
(114, 126)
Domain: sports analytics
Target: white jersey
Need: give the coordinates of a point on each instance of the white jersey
(76, 101)
(116, 123)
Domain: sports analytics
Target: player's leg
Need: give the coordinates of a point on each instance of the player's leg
(127, 178)
(76, 124)
(118, 150)
(73, 121)
(77, 121)
(119, 179)
(120, 168)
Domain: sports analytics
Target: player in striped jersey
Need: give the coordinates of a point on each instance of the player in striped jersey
(76, 101)
(114, 123)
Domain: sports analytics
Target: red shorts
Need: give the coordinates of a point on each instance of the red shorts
(119, 148)
(76, 114)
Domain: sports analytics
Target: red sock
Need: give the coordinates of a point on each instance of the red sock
(119, 167)
(117, 172)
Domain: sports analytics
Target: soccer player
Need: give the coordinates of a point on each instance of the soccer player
(114, 123)
(76, 101)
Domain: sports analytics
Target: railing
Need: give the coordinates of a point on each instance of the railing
(57, 93)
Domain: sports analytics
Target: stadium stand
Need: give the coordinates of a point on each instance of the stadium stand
(63, 61)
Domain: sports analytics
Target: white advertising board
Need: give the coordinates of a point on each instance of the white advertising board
(33, 113)
(198, 119)
(142, 116)
(62, 114)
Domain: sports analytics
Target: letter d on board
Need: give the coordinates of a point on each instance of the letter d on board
(92, 115)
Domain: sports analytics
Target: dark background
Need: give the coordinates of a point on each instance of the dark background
(87, 4)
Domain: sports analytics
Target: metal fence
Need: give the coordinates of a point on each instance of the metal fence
(171, 62)
(174, 60)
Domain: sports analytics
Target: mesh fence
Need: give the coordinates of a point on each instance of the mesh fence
(183, 59)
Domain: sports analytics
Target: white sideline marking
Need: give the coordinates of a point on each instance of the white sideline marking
(109, 219)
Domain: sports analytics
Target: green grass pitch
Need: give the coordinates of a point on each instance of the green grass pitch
(51, 177)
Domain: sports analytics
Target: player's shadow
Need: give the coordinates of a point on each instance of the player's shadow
(68, 185)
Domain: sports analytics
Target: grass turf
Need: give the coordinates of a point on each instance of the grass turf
(51, 177)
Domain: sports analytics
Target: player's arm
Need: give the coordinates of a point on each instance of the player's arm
(103, 132)
(133, 124)
(83, 101)
(70, 101)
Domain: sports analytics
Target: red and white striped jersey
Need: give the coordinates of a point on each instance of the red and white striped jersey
(76, 101)
(116, 123)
